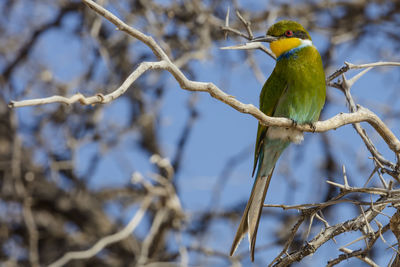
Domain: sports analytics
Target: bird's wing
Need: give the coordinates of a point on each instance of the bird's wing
(259, 141)
(271, 93)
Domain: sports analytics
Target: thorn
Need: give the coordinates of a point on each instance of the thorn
(227, 22)
(346, 184)
(246, 46)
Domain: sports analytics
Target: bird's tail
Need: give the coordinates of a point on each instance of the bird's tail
(252, 212)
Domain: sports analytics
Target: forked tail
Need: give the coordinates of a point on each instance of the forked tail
(251, 217)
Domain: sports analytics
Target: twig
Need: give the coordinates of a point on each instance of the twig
(349, 254)
(33, 233)
(246, 24)
(369, 65)
(372, 190)
(321, 204)
(155, 228)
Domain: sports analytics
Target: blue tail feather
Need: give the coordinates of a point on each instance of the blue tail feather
(273, 149)
(269, 154)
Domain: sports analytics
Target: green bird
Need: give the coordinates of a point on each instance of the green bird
(295, 90)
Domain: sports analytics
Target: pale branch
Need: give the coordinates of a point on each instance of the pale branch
(246, 24)
(371, 65)
(369, 190)
(159, 218)
(107, 240)
(122, 26)
(33, 232)
(349, 66)
(362, 114)
(98, 98)
(227, 29)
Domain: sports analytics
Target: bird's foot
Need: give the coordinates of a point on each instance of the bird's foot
(312, 126)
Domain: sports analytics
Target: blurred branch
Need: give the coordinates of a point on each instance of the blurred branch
(107, 240)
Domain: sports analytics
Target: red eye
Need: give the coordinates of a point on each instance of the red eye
(289, 33)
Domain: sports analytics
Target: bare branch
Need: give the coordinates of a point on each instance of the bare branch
(98, 98)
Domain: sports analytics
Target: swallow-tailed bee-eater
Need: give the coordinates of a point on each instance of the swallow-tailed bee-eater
(295, 90)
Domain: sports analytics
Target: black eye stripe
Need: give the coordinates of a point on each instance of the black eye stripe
(297, 34)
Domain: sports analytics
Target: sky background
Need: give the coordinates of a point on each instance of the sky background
(221, 133)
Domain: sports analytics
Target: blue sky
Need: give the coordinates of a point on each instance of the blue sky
(221, 132)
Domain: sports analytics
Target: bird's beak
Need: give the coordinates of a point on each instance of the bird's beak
(265, 38)
(253, 44)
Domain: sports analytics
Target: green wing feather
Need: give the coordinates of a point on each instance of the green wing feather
(270, 94)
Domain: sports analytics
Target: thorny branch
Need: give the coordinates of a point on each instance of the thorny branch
(285, 258)
(328, 233)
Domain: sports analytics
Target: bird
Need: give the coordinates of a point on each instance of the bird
(296, 90)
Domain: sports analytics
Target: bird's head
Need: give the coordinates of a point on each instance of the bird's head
(284, 36)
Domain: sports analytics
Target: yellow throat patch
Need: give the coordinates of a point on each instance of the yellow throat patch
(284, 45)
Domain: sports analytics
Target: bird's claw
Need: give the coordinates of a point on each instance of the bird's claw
(312, 126)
